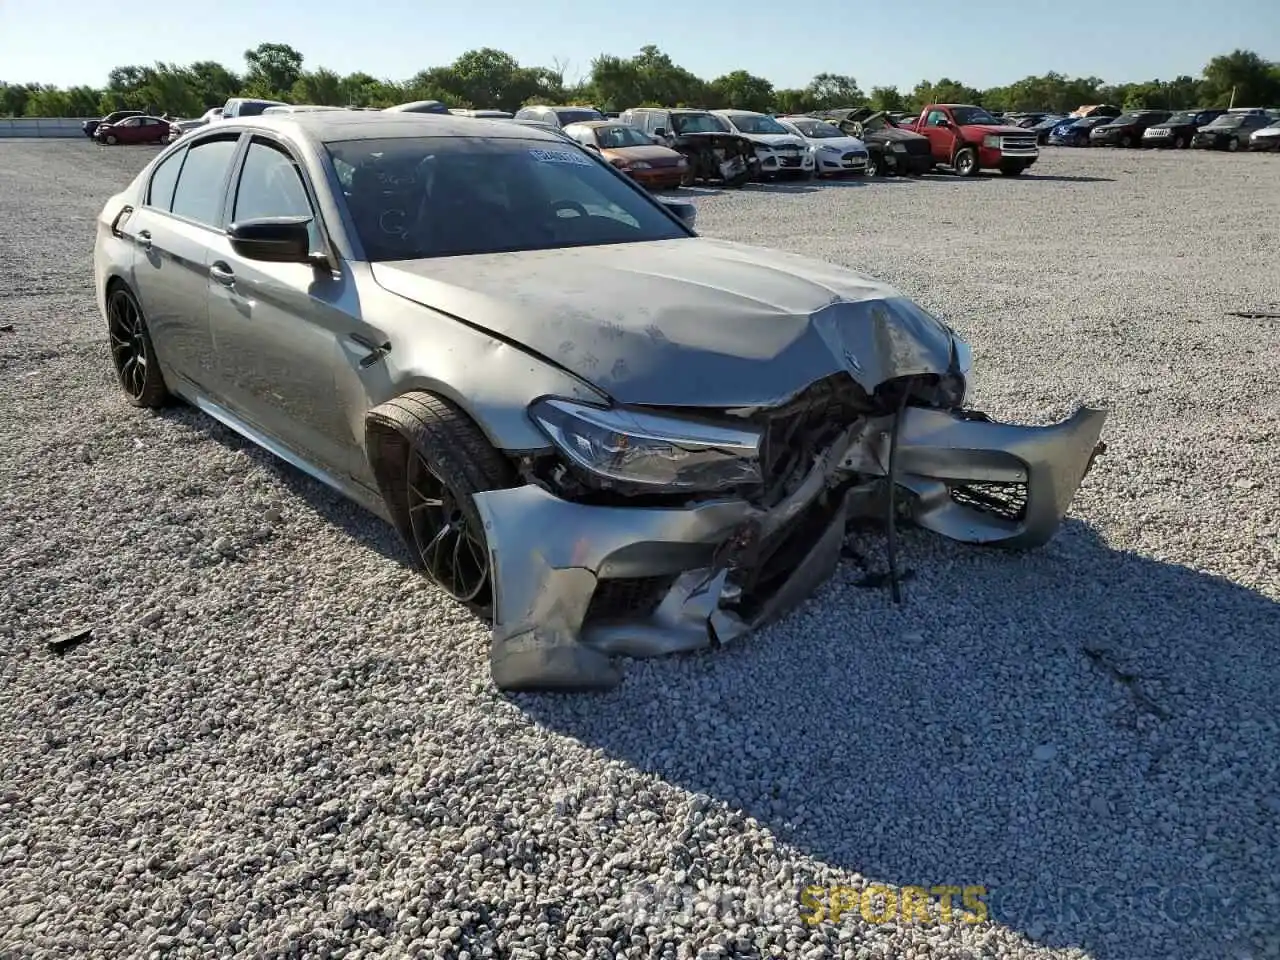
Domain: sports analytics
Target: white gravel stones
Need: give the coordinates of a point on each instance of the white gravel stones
(280, 741)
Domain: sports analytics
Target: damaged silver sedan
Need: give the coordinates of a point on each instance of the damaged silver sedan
(606, 434)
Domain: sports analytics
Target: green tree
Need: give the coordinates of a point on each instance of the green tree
(320, 87)
(742, 91)
(273, 70)
(886, 98)
(1253, 79)
(832, 90)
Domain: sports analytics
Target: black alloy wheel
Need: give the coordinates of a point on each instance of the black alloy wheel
(132, 354)
(445, 535)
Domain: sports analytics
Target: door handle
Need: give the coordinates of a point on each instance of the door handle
(221, 273)
(376, 351)
(144, 239)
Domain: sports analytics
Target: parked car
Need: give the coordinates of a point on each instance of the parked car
(891, 150)
(418, 106)
(603, 433)
(179, 127)
(1231, 131)
(133, 130)
(90, 127)
(1177, 131)
(1266, 138)
(1096, 110)
(300, 108)
(834, 152)
(780, 152)
(483, 114)
(238, 107)
(1075, 132)
(969, 140)
(1127, 129)
(627, 148)
(1045, 127)
(559, 116)
(716, 154)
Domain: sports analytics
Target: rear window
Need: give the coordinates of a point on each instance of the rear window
(577, 116)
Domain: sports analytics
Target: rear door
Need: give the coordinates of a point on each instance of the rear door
(179, 218)
(279, 328)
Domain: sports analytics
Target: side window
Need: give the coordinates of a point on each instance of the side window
(936, 118)
(163, 179)
(199, 193)
(271, 186)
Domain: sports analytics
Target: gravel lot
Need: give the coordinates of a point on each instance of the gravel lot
(280, 741)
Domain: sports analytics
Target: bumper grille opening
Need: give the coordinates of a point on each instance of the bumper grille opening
(627, 598)
(1005, 500)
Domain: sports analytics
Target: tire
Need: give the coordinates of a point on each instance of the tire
(875, 166)
(431, 459)
(1126, 141)
(965, 162)
(111, 139)
(1233, 144)
(1179, 143)
(132, 354)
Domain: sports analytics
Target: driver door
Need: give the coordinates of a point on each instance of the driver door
(942, 135)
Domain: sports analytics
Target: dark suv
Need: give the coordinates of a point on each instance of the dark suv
(1176, 132)
(1231, 131)
(1127, 129)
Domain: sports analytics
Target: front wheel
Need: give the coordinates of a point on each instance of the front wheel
(111, 139)
(1179, 143)
(874, 166)
(132, 353)
(443, 460)
(966, 162)
(1126, 141)
(1233, 144)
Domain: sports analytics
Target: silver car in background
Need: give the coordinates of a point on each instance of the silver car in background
(606, 434)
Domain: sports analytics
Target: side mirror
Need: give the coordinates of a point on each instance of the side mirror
(272, 239)
(592, 146)
(659, 132)
(684, 210)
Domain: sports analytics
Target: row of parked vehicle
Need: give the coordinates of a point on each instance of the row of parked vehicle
(1232, 129)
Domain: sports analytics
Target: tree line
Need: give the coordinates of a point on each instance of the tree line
(490, 78)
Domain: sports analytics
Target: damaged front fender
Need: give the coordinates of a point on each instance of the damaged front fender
(550, 558)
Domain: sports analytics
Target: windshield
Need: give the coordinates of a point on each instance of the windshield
(616, 136)
(752, 123)
(577, 115)
(696, 123)
(817, 129)
(1187, 116)
(416, 197)
(966, 115)
(1228, 121)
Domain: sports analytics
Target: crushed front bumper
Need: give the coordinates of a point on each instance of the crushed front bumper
(553, 560)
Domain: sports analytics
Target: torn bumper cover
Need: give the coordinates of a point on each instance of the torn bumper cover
(577, 584)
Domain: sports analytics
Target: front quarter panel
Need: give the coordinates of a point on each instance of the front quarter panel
(492, 380)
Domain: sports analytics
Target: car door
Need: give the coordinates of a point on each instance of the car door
(278, 328)
(178, 218)
(942, 136)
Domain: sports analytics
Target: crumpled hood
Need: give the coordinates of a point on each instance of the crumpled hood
(687, 322)
(774, 139)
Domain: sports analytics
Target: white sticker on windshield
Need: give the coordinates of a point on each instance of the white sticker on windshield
(560, 156)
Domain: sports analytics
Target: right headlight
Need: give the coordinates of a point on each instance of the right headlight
(898, 147)
(664, 454)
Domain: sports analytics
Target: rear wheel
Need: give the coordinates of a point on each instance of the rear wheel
(111, 139)
(1126, 141)
(132, 353)
(1233, 144)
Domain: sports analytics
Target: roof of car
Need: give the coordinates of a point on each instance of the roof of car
(328, 126)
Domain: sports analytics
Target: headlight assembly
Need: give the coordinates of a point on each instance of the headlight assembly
(659, 453)
(898, 147)
(991, 142)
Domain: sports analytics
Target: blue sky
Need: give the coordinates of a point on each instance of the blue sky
(988, 43)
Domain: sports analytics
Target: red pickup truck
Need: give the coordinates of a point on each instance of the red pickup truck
(968, 139)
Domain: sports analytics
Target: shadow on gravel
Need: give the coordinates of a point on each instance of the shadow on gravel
(1076, 733)
(1034, 176)
(355, 521)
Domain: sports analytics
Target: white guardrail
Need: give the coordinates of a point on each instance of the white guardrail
(28, 127)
